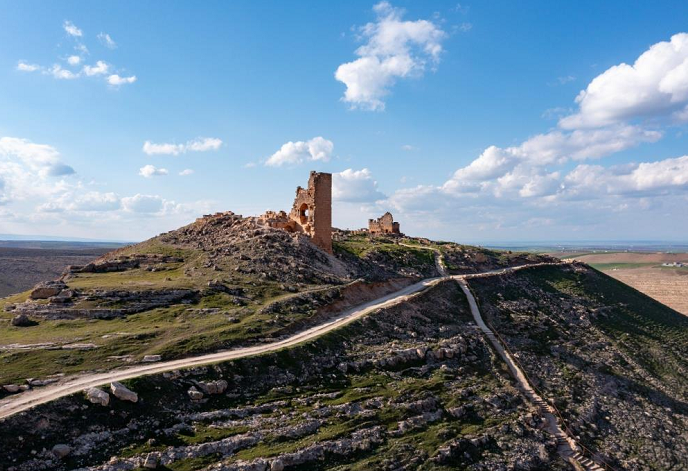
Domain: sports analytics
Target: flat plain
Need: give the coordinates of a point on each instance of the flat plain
(644, 271)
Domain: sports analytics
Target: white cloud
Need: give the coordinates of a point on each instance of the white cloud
(28, 169)
(294, 153)
(355, 186)
(394, 49)
(100, 68)
(465, 27)
(565, 79)
(408, 147)
(201, 144)
(26, 67)
(655, 85)
(143, 203)
(107, 41)
(63, 74)
(186, 172)
(71, 29)
(149, 171)
(116, 80)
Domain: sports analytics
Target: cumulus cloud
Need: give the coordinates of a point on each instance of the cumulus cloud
(623, 108)
(294, 153)
(394, 49)
(186, 172)
(201, 144)
(143, 203)
(29, 169)
(100, 68)
(26, 67)
(655, 85)
(149, 171)
(355, 186)
(72, 30)
(63, 74)
(107, 41)
(116, 80)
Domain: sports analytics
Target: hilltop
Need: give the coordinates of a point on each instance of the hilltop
(220, 282)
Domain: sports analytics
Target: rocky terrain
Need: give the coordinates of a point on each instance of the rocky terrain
(218, 283)
(411, 387)
(614, 361)
(416, 385)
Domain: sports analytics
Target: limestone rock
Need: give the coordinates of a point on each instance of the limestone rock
(121, 392)
(61, 450)
(277, 465)
(151, 461)
(151, 358)
(195, 394)
(47, 289)
(11, 388)
(22, 320)
(98, 396)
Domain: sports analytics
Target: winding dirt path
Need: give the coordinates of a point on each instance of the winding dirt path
(566, 446)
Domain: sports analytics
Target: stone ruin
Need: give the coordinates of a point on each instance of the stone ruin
(383, 225)
(311, 213)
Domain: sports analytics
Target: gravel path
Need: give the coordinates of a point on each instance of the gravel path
(566, 446)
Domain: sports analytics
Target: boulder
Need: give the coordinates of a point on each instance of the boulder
(11, 388)
(151, 461)
(195, 394)
(60, 451)
(151, 358)
(98, 396)
(22, 320)
(121, 392)
(47, 289)
(277, 465)
(214, 387)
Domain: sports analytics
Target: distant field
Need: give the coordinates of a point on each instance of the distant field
(23, 264)
(644, 272)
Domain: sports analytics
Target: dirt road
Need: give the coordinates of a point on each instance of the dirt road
(70, 385)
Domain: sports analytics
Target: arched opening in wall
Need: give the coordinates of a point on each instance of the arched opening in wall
(303, 214)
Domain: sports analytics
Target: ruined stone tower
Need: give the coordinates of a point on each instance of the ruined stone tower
(312, 209)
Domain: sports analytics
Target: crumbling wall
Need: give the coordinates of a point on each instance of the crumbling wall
(384, 225)
(311, 213)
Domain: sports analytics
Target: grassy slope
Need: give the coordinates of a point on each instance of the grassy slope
(314, 371)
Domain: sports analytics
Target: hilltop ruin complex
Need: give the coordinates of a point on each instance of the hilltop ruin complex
(383, 225)
(311, 213)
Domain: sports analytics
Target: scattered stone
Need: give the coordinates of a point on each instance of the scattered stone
(22, 320)
(98, 396)
(151, 461)
(151, 358)
(11, 388)
(60, 451)
(121, 392)
(47, 289)
(195, 394)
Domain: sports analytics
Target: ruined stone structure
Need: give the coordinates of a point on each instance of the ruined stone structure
(384, 225)
(311, 213)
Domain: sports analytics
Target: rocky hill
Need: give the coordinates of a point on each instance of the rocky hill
(416, 385)
(220, 282)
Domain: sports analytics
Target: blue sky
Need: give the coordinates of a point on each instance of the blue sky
(461, 119)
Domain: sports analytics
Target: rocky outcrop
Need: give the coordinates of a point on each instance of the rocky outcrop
(22, 320)
(122, 393)
(47, 289)
(98, 396)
